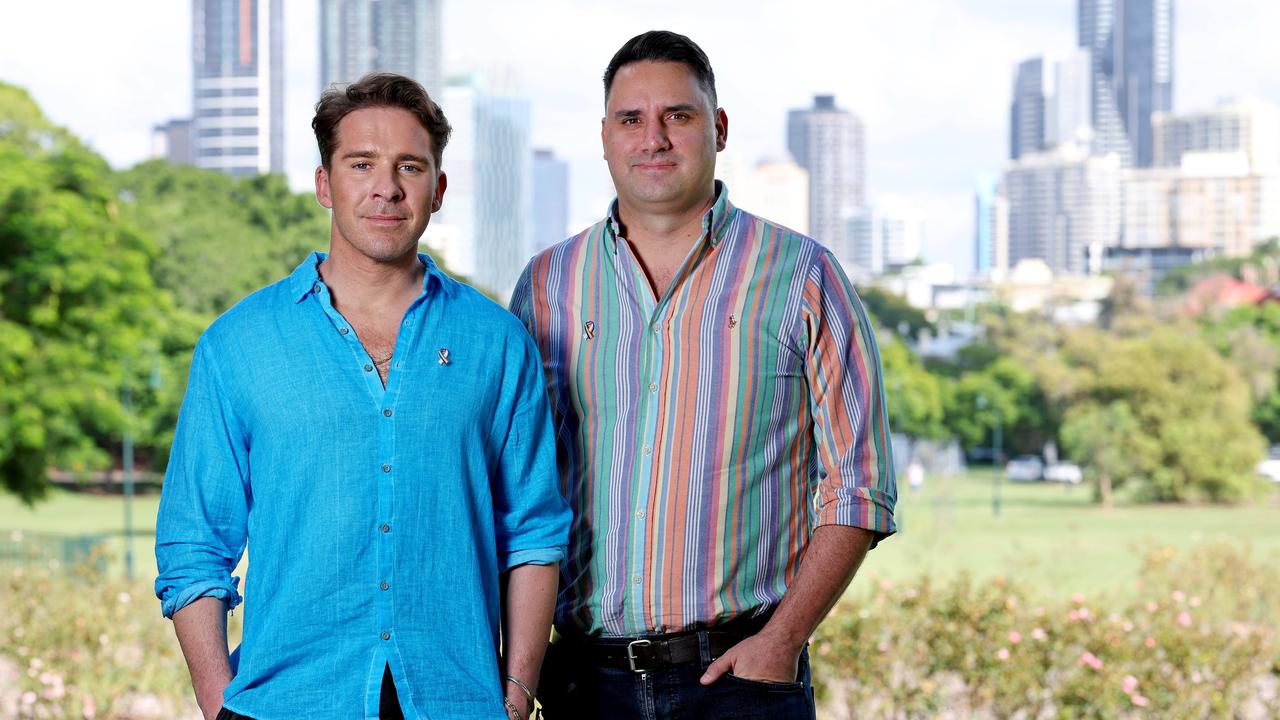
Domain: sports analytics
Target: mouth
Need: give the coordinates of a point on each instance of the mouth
(384, 220)
(655, 165)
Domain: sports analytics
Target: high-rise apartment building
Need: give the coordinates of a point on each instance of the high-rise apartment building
(885, 235)
(550, 199)
(362, 36)
(1248, 126)
(1064, 208)
(1067, 109)
(774, 189)
(1131, 47)
(991, 227)
(830, 144)
(1027, 112)
(172, 141)
(238, 87)
(484, 229)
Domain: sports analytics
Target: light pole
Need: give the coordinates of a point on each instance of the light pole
(997, 452)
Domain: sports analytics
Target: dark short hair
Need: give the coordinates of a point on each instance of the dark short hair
(378, 90)
(663, 46)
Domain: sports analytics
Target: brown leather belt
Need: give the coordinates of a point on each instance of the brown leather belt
(643, 654)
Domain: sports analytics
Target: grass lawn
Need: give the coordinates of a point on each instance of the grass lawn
(1052, 538)
(1048, 537)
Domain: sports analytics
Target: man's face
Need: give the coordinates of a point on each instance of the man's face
(382, 183)
(661, 135)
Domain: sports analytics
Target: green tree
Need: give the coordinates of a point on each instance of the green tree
(917, 398)
(79, 312)
(1190, 437)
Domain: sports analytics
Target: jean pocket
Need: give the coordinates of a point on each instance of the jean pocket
(766, 685)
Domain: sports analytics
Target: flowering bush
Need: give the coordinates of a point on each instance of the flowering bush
(79, 644)
(1198, 638)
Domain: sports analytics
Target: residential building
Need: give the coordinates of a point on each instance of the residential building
(1250, 126)
(1027, 112)
(238, 85)
(550, 199)
(362, 36)
(173, 142)
(830, 144)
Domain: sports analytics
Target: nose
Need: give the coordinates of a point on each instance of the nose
(386, 186)
(655, 137)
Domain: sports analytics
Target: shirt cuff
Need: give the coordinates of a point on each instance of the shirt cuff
(176, 599)
(870, 510)
(536, 556)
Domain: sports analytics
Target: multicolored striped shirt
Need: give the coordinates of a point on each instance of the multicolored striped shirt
(704, 434)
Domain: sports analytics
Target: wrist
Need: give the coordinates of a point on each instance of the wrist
(784, 636)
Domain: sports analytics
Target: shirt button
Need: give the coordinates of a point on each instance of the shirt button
(640, 514)
(386, 635)
(653, 387)
(648, 450)
(386, 468)
(383, 585)
(385, 528)
(387, 412)
(368, 367)
(344, 331)
(316, 287)
(635, 579)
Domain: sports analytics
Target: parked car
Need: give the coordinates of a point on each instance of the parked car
(1270, 468)
(1024, 468)
(1068, 473)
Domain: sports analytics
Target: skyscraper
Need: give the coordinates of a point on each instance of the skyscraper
(484, 229)
(238, 87)
(830, 143)
(1067, 110)
(1250, 126)
(361, 36)
(1027, 112)
(1131, 43)
(550, 199)
(1064, 208)
(991, 227)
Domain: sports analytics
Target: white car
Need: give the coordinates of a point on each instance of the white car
(1024, 468)
(1068, 473)
(1270, 468)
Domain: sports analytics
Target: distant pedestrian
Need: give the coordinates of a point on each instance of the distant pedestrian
(915, 475)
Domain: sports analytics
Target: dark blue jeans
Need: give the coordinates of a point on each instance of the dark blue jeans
(573, 688)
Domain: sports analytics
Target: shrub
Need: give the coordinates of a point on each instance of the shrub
(1198, 639)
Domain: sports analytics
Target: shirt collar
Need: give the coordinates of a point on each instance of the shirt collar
(714, 221)
(306, 277)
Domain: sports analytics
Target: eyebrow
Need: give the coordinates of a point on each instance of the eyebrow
(683, 107)
(352, 154)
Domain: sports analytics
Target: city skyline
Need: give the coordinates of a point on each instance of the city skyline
(934, 93)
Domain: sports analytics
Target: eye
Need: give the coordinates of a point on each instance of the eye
(630, 121)
(679, 116)
(408, 168)
(361, 165)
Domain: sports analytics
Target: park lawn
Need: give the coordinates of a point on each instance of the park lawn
(1049, 538)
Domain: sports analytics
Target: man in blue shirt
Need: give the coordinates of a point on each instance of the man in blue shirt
(381, 432)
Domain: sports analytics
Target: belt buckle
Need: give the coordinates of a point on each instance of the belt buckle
(631, 652)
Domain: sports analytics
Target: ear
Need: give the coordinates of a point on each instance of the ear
(722, 129)
(603, 149)
(323, 195)
(442, 181)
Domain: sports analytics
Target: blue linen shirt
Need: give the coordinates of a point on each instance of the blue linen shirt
(379, 519)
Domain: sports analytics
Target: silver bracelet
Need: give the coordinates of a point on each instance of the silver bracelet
(528, 693)
(511, 707)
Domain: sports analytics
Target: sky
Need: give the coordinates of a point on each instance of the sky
(930, 78)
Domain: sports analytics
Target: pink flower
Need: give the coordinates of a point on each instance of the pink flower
(1149, 642)
(1002, 654)
(1077, 598)
(1129, 683)
(1015, 637)
(1194, 601)
(1138, 700)
(1093, 661)
(1152, 606)
(1178, 596)
(1184, 619)
(1038, 634)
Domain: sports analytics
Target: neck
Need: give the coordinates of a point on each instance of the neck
(361, 282)
(676, 228)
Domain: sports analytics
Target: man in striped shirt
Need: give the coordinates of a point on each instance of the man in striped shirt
(721, 420)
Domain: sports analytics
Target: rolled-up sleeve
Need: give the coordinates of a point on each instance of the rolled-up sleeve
(201, 524)
(847, 400)
(531, 515)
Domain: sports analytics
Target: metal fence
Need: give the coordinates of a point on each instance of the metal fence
(23, 547)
